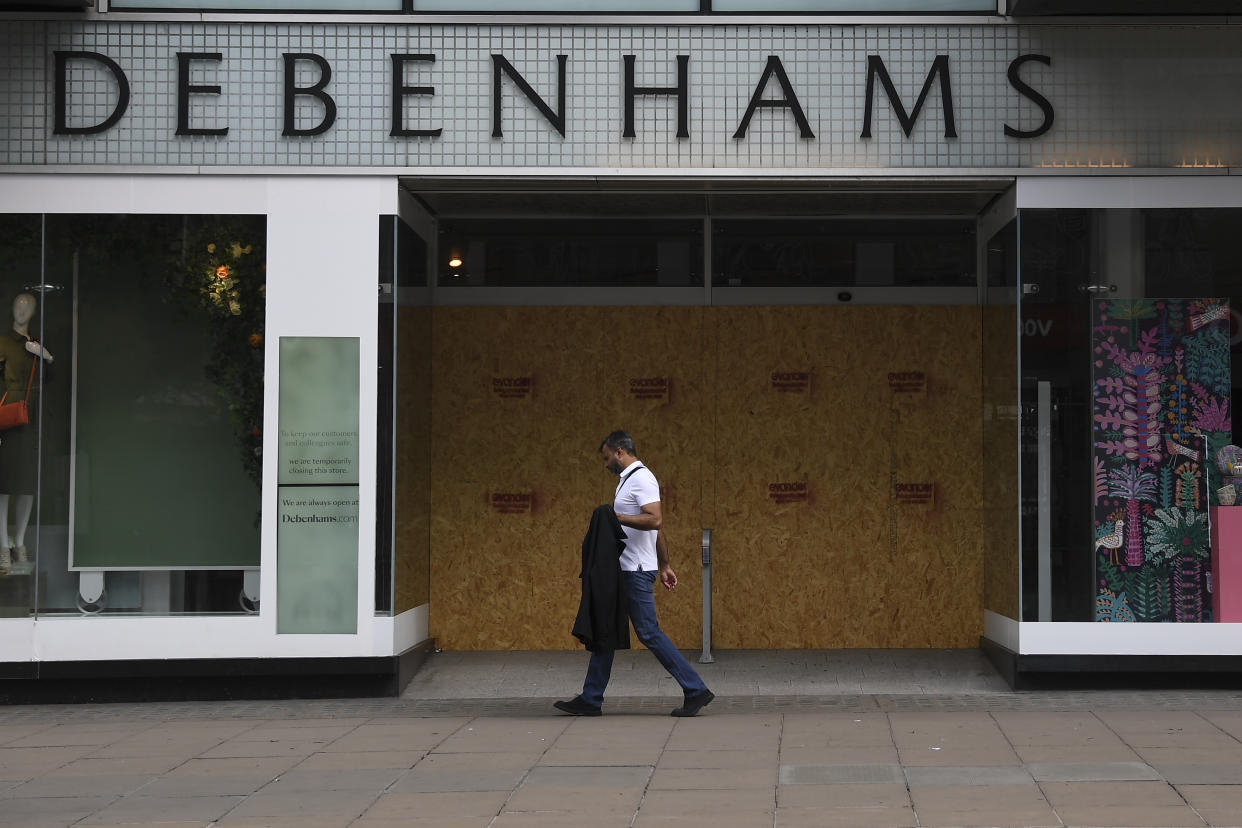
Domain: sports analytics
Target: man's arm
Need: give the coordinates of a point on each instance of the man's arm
(667, 576)
(649, 520)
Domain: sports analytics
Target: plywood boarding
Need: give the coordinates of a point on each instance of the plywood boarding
(1000, 459)
(521, 399)
(786, 430)
(813, 548)
(412, 531)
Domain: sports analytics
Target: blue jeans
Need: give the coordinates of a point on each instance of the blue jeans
(639, 587)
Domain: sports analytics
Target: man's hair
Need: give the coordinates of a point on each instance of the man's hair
(619, 440)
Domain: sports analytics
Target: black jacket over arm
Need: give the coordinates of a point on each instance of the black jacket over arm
(603, 614)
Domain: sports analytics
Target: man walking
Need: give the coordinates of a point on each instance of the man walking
(637, 504)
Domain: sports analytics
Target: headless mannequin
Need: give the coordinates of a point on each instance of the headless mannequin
(23, 311)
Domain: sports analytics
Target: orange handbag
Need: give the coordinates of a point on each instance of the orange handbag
(14, 414)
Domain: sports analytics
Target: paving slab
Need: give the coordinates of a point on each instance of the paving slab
(414, 822)
(27, 763)
(839, 756)
(750, 802)
(726, 732)
(306, 803)
(284, 822)
(409, 735)
(602, 756)
(591, 801)
(724, 759)
(296, 732)
(1082, 729)
(993, 805)
(1215, 774)
(1167, 729)
(881, 796)
(1194, 755)
(865, 816)
(588, 777)
(1092, 771)
(51, 811)
(95, 785)
(140, 765)
(877, 774)
(327, 760)
(511, 735)
(1218, 805)
(715, 820)
(146, 809)
(450, 805)
(558, 819)
(1228, 721)
(684, 779)
(1132, 804)
(12, 732)
(1119, 752)
(459, 779)
(358, 779)
(80, 734)
(922, 777)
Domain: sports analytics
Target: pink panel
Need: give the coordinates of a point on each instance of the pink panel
(1227, 563)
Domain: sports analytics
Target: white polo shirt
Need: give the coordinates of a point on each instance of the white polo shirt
(637, 488)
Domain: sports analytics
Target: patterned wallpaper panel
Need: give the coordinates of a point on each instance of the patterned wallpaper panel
(1161, 413)
(1120, 96)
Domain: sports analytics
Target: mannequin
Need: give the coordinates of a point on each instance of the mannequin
(19, 446)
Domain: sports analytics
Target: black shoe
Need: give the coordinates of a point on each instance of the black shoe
(693, 704)
(577, 707)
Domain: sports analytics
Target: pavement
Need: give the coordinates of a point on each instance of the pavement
(864, 739)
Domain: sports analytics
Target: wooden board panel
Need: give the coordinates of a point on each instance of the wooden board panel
(412, 530)
(821, 540)
(786, 430)
(521, 399)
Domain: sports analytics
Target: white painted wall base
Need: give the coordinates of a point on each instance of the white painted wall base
(1092, 638)
(1001, 628)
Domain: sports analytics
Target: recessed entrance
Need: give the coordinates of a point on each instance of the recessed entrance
(799, 365)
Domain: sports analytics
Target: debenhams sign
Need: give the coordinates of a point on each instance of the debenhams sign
(772, 89)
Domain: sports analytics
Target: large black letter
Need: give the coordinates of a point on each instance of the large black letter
(940, 66)
(185, 90)
(556, 119)
(400, 90)
(790, 100)
(681, 90)
(62, 59)
(1040, 101)
(292, 91)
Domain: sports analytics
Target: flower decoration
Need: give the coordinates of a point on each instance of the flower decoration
(225, 281)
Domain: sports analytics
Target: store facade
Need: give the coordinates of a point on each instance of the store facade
(927, 319)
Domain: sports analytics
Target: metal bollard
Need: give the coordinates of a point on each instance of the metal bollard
(706, 657)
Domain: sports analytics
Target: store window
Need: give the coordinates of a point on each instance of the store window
(1128, 328)
(844, 252)
(578, 6)
(591, 252)
(135, 485)
(855, 6)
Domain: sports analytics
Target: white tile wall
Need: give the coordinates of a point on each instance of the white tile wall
(1145, 97)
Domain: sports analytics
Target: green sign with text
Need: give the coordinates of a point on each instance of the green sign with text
(317, 509)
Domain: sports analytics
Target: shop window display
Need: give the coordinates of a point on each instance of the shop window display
(140, 467)
(1127, 328)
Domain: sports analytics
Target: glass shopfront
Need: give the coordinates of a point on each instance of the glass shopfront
(1129, 323)
(137, 345)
